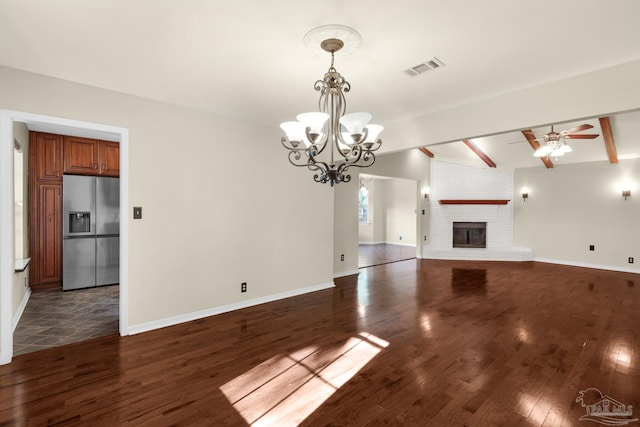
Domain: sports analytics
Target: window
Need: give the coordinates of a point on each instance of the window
(363, 208)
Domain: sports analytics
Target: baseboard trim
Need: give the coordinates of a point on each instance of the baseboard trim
(175, 320)
(588, 265)
(23, 304)
(346, 273)
(388, 243)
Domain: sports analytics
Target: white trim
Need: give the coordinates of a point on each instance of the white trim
(479, 254)
(6, 237)
(21, 307)
(589, 265)
(346, 273)
(7, 117)
(388, 243)
(175, 320)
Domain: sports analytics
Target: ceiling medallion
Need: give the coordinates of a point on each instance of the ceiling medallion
(349, 138)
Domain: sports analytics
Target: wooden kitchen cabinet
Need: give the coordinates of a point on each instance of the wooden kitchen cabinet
(109, 155)
(85, 156)
(46, 240)
(46, 166)
(51, 234)
(45, 156)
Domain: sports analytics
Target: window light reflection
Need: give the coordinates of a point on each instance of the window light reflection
(620, 356)
(287, 388)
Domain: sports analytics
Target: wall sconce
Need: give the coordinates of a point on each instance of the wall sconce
(525, 193)
(626, 193)
(426, 191)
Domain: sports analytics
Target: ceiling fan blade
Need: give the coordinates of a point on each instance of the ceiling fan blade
(585, 136)
(578, 129)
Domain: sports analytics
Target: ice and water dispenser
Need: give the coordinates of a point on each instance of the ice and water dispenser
(79, 222)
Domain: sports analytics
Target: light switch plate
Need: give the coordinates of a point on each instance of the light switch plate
(137, 212)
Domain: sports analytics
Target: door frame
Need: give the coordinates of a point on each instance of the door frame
(61, 126)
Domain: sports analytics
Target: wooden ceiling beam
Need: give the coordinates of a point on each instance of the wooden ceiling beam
(427, 152)
(535, 145)
(479, 153)
(607, 135)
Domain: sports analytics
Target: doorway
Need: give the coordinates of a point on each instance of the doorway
(388, 224)
(10, 310)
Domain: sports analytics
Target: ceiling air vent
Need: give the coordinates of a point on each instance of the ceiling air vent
(431, 64)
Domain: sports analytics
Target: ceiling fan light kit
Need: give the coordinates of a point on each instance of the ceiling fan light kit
(329, 141)
(554, 144)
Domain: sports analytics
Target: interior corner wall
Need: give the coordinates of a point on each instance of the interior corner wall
(211, 219)
(345, 228)
(571, 207)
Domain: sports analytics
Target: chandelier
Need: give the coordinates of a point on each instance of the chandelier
(328, 141)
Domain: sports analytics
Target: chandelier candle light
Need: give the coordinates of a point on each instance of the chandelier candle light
(349, 139)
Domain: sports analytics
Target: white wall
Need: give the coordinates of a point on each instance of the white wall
(345, 228)
(573, 206)
(221, 203)
(400, 211)
(21, 279)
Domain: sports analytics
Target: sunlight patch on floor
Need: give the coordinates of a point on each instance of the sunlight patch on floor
(287, 388)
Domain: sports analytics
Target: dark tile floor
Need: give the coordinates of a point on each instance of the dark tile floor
(56, 318)
(383, 253)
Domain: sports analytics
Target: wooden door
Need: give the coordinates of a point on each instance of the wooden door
(81, 155)
(109, 158)
(50, 233)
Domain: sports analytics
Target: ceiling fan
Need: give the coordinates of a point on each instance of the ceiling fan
(554, 144)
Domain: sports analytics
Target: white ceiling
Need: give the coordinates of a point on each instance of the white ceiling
(246, 58)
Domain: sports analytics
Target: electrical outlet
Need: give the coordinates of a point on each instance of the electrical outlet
(137, 212)
(243, 287)
(400, 237)
(422, 211)
(342, 257)
(425, 238)
(630, 260)
(592, 248)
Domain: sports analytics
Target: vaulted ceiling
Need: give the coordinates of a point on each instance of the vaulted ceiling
(246, 59)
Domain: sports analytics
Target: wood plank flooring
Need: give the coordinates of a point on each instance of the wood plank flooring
(415, 343)
(383, 253)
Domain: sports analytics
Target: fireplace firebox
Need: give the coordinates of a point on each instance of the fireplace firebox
(469, 234)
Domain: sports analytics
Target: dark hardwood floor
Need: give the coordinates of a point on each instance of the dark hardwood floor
(415, 343)
(383, 253)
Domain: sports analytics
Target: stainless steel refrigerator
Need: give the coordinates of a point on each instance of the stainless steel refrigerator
(91, 229)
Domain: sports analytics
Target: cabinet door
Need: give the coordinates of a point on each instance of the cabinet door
(109, 158)
(46, 156)
(80, 155)
(50, 234)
